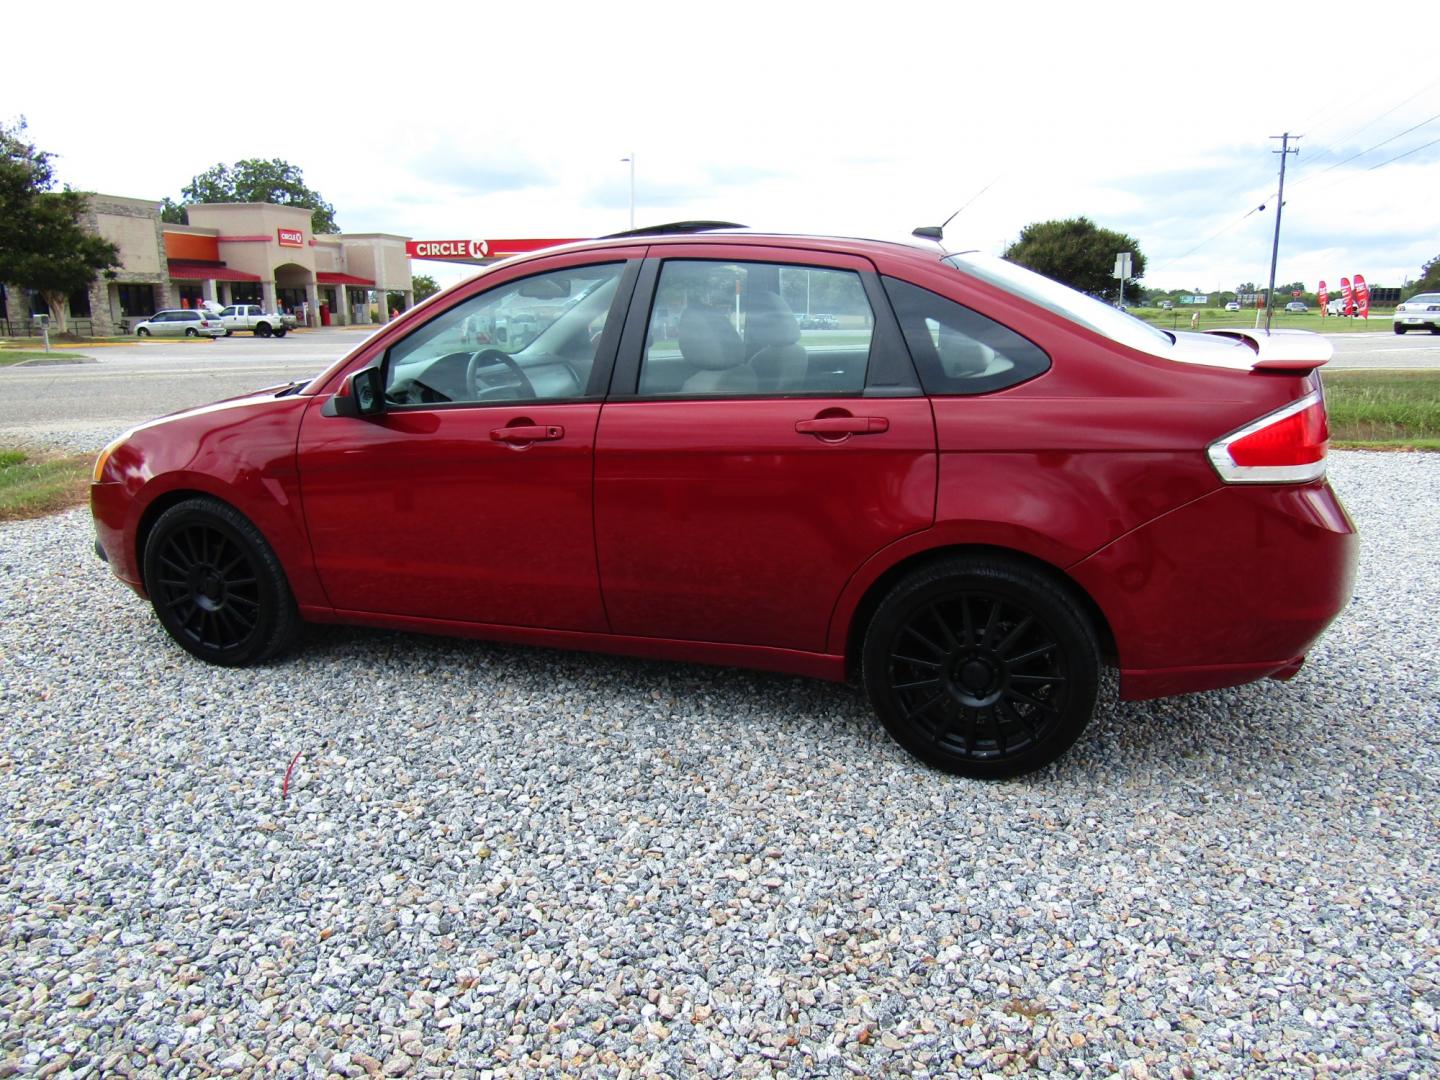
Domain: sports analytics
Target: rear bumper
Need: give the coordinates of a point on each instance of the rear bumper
(1233, 587)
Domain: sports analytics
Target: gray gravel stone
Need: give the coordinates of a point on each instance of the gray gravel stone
(514, 862)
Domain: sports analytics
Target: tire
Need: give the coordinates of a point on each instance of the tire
(281, 332)
(263, 330)
(1399, 329)
(981, 667)
(190, 331)
(142, 332)
(229, 333)
(216, 585)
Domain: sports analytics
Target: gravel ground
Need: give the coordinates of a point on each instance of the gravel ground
(541, 863)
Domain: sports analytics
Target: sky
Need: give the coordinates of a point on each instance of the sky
(441, 121)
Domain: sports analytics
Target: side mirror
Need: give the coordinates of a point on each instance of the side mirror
(363, 395)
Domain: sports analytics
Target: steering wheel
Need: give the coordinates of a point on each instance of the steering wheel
(487, 357)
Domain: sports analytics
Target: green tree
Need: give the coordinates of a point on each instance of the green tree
(424, 285)
(42, 242)
(1078, 253)
(1429, 278)
(253, 180)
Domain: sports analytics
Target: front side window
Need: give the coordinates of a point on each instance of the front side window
(958, 350)
(532, 338)
(756, 329)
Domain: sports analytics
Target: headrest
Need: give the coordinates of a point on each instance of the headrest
(708, 341)
(770, 321)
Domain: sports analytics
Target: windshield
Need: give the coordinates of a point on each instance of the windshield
(1064, 301)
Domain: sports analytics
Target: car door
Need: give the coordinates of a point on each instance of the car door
(745, 465)
(470, 497)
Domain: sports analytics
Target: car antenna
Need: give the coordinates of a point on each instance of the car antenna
(937, 232)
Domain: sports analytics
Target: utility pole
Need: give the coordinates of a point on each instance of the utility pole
(1284, 153)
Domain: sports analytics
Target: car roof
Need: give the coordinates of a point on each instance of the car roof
(921, 250)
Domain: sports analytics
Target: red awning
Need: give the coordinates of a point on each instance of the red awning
(326, 277)
(193, 271)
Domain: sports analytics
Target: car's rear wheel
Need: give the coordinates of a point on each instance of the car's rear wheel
(142, 332)
(281, 331)
(981, 667)
(216, 585)
(263, 330)
(1399, 329)
(190, 331)
(229, 333)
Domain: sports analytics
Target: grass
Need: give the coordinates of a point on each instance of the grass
(19, 356)
(34, 484)
(1384, 410)
(1220, 319)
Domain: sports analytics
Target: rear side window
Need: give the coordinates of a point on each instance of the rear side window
(958, 350)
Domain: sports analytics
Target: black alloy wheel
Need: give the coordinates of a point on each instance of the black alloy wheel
(216, 585)
(263, 330)
(280, 331)
(983, 667)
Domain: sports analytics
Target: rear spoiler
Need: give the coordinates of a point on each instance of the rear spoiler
(1296, 351)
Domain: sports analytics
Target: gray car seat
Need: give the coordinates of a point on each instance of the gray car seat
(780, 363)
(710, 344)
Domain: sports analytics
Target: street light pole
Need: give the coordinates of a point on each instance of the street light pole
(631, 160)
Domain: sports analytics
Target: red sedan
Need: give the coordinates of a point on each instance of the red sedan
(968, 484)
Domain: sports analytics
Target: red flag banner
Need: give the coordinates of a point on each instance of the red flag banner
(1348, 294)
(1362, 296)
(1323, 296)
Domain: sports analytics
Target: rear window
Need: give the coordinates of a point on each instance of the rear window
(1095, 315)
(956, 349)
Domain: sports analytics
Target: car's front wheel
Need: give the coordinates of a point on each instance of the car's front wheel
(982, 667)
(216, 585)
(142, 332)
(280, 331)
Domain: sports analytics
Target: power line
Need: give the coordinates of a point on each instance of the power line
(1367, 126)
(1362, 153)
(1407, 153)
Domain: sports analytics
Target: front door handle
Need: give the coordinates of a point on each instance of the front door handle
(528, 433)
(843, 425)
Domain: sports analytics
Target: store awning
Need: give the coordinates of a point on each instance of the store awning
(193, 271)
(326, 277)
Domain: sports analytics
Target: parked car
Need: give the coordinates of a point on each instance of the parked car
(1337, 307)
(180, 322)
(754, 494)
(1295, 307)
(1167, 305)
(1420, 312)
(1233, 305)
(254, 318)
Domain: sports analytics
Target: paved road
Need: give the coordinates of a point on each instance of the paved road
(84, 405)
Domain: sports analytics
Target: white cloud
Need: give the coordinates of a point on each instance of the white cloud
(437, 120)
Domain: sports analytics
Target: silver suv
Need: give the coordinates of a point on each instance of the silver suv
(181, 322)
(1420, 312)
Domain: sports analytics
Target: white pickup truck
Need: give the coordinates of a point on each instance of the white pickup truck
(256, 319)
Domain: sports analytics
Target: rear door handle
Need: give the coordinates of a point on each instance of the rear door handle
(528, 433)
(843, 425)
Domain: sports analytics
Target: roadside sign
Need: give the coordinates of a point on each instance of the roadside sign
(1323, 296)
(1362, 296)
(1349, 295)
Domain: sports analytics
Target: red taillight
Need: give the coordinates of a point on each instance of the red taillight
(1288, 446)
